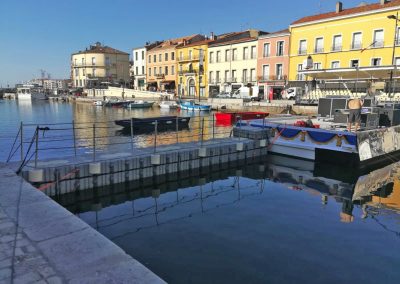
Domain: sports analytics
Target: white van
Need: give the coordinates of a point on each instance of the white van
(244, 93)
(292, 93)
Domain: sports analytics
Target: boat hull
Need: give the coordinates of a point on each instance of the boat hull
(228, 118)
(191, 107)
(145, 125)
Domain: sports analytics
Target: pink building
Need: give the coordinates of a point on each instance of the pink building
(273, 62)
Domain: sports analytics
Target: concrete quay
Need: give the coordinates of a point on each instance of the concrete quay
(41, 242)
(56, 177)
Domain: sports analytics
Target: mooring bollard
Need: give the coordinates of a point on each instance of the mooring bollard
(132, 135)
(155, 135)
(94, 142)
(73, 133)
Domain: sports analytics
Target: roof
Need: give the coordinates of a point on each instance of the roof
(238, 37)
(346, 12)
(98, 48)
(278, 33)
(196, 43)
(174, 42)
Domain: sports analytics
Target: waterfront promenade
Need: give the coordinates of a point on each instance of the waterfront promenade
(42, 242)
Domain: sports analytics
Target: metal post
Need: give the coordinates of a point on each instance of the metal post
(202, 131)
(240, 127)
(155, 135)
(73, 133)
(22, 141)
(94, 142)
(213, 128)
(132, 135)
(393, 54)
(36, 144)
(177, 130)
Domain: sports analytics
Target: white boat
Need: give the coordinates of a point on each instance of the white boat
(192, 106)
(98, 103)
(30, 92)
(168, 105)
(140, 104)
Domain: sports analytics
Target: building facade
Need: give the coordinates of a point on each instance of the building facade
(273, 62)
(161, 64)
(232, 62)
(347, 44)
(99, 64)
(139, 66)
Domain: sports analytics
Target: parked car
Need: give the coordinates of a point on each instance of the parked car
(244, 93)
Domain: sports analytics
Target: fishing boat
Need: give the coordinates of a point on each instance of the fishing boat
(192, 106)
(168, 105)
(140, 104)
(30, 92)
(117, 103)
(230, 117)
(164, 123)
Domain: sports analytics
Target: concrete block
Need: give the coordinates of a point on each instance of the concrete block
(203, 152)
(239, 146)
(156, 159)
(36, 175)
(95, 168)
(263, 143)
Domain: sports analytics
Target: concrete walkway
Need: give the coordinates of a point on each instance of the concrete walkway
(41, 242)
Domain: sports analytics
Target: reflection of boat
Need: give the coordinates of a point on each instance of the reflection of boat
(30, 92)
(98, 103)
(230, 117)
(140, 104)
(148, 124)
(194, 107)
(168, 105)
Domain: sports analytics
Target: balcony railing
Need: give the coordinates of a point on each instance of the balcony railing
(214, 81)
(378, 43)
(356, 45)
(230, 80)
(302, 52)
(336, 48)
(319, 50)
(160, 76)
(187, 71)
(188, 58)
(271, 78)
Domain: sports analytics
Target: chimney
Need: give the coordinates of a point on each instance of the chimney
(383, 2)
(339, 6)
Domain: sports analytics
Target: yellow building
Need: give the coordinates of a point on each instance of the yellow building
(192, 68)
(98, 64)
(347, 44)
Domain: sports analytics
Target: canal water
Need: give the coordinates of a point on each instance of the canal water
(58, 139)
(278, 221)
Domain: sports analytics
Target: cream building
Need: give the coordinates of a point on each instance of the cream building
(99, 64)
(232, 62)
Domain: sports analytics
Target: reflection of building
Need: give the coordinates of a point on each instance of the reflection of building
(161, 63)
(273, 61)
(99, 64)
(232, 61)
(345, 44)
(139, 67)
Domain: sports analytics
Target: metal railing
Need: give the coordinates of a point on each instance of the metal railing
(35, 142)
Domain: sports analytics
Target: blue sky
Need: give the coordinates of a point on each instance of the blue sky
(42, 34)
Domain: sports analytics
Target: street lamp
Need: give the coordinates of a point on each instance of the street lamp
(396, 18)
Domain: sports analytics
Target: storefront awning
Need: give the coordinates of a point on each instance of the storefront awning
(372, 72)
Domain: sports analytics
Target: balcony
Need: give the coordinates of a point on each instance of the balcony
(187, 72)
(336, 48)
(319, 50)
(266, 78)
(159, 76)
(188, 58)
(230, 80)
(356, 46)
(302, 52)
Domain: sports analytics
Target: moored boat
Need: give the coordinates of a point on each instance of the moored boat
(30, 92)
(168, 105)
(192, 106)
(140, 104)
(98, 103)
(230, 117)
(164, 123)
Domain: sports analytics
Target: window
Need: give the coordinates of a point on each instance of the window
(166, 70)
(227, 52)
(317, 65)
(319, 45)
(375, 62)
(166, 56)
(83, 61)
(75, 61)
(279, 48)
(172, 70)
(76, 72)
(397, 61)
(378, 38)
(155, 71)
(226, 75)
(354, 63)
(356, 42)
(245, 53)
(335, 64)
(160, 57)
(245, 79)
(149, 58)
(303, 47)
(180, 55)
(266, 49)
(253, 52)
(265, 72)
(211, 57)
(76, 83)
(397, 36)
(154, 58)
(137, 70)
(159, 70)
(210, 76)
(217, 76)
(93, 60)
(253, 75)
(233, 75)
(143, 55)
(218, 59)
(84, 72)
(136, 56)
(108, 62)
(190, 54)
(234, 54)
(149, 71)
(279, 71)
(94, 72)
(143, 70)
(337, 43)
(300, 77)
(172, 55)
